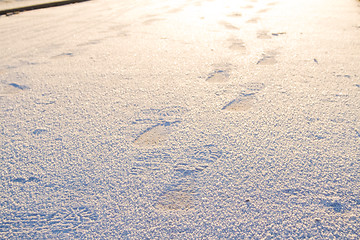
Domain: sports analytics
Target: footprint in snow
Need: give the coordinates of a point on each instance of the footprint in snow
(152, 20)
(264, 10)
(241, 103)
(155, 135)
(246, 100)
(64, 55)
(175, 200)
(12, 88)
(181, 194)
(281, 33)
(62, 221)
(228, 25)
(253, 20)
(237, 45)
(218, 76)
(268, 58)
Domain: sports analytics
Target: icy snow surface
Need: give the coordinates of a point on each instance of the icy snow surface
(181, 119)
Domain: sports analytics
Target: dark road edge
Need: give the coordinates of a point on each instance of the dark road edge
(39, 6)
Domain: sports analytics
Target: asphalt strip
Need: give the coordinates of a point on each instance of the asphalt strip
(38, 6)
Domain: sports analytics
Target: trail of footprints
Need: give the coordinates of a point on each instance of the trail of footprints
(236, 44)
(182, 192)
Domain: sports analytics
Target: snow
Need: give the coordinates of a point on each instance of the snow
(187, 119)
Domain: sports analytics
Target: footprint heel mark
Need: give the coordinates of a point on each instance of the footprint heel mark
(21, 87)
(175, 200)
(12, 88)
(278, 34)
(152, 20)
(155, 135)
(64, 55)
(264, 10)
(228, 25)
(253, 20)
(268, 59)
(180, 195)
(91, 42)
(237, 45)
(218, 76)
(242, 103)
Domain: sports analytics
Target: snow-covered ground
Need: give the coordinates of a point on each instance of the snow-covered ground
(181, 119)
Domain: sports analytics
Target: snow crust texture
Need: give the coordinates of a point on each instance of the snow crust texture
(181, 120)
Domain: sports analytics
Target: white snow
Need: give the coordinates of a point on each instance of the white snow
(181, 119)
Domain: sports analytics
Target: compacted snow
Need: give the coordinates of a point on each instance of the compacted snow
(181, 119)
